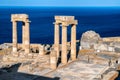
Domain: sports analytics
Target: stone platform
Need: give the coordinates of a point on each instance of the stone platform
(81, 69)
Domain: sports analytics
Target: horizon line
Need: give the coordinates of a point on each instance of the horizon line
(57, 6)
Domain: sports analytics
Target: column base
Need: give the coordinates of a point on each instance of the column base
(73, 56)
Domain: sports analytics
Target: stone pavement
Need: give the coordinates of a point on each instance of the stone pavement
(79, 71)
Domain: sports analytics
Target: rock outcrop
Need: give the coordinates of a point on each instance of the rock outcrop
(92, 40)
(89, 39)
(5, 46)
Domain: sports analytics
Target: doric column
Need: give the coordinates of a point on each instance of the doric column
(56, 39)
(23, 35)
(64, 44)
(14, 23)
(27, 38)
(73, 42)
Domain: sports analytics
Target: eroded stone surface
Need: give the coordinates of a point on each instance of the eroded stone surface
(88, 39)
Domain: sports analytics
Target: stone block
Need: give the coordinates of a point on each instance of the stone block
(111, 49)
(64, 18)
(53, 59)
(101, 47)
(30, 55)
(19, 17)
(117, 50)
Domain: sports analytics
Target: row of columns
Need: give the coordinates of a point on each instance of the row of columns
(64, 42)
(25, 37)
(64, 21)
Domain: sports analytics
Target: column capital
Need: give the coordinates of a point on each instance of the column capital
(65, 24)
(13, 21)
(27, 21)
(56, 23)
(72, 25)
(75, 22)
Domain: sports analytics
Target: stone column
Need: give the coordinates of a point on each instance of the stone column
(53, 59)
(23, 35)
(64, 44)
(56, 39)
(27, 38)
(73, 42)
(41, 50)
(14, 36)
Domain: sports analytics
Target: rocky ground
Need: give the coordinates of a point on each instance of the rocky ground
(81, 69)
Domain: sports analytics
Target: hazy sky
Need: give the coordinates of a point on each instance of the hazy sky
(59, 2)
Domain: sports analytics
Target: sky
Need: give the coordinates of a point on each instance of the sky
(71, 3)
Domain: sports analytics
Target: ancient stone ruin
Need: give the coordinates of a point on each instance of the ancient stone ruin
(27, 52)
(25, 31)
(65, 21)
(96, 57)
(92, 40)
(89, 39)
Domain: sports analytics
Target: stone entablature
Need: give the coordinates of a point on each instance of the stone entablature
(19, 17)
(65, 20)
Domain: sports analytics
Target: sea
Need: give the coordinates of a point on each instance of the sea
(103, 20)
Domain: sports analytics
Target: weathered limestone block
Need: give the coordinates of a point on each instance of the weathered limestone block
(22, 55)
(64, 18)
(5, 58)
(5, 46)
(35, 55)
(101, 47)
(10, 58)
(88, 39)
(41, 50)
(116, 44)
(112, 49)
(16, 54)
(112, 75)
(30, 55)
(53, 60)
(117, 49)
(19, 17)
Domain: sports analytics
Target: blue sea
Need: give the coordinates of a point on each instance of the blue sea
(103, 20)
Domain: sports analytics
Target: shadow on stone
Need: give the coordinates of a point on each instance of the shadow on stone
(12, 74)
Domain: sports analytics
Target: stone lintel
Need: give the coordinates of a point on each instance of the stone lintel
(73, 22)
(19, 17)
(64, 18)
(67, 23)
